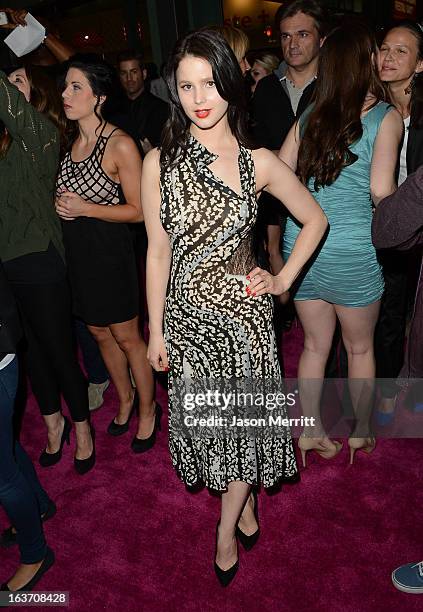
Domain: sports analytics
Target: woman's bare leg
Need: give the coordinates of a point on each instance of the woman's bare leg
(130, 341)
(318, 320)
(117, 365)
(358, 325)
(233, 502)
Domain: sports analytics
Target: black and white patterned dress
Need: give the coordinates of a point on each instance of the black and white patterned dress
(213, 329)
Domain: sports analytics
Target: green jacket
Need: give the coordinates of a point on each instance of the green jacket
(28, 220)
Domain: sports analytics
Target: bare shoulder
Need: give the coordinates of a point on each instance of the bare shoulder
(393, 119)
(262, 158)
(152, 159)
(262, 155)
(151, 163)
(121, 143)
(265, 162)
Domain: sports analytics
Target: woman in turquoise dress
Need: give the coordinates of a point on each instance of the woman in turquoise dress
(345, 149)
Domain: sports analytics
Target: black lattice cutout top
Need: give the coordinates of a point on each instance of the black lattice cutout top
(87, 177)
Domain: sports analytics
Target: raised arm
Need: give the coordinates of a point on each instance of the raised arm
(127, 165)
(158, 259)
(398, 220)
(61, 50)
(274, 176)
(24, 123)
(385, 155)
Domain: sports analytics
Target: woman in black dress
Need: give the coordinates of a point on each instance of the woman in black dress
(102, 270)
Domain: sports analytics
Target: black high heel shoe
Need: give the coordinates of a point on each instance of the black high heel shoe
(8, 537)
(139, 445)
(225, 577)
(248, 541)
(44, 567)
(48, 459)
(82, 466)
(114, 429)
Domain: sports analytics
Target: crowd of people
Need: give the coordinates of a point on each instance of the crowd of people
(324, 148)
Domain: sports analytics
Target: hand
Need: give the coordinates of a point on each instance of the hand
(262, 282)
(70, 205)
(157, 354)
(16, 17)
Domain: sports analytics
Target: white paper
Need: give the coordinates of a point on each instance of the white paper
(25, 39)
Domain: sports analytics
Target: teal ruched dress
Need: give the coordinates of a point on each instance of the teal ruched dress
(344, 269)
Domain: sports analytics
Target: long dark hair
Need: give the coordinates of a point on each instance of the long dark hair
(416, 102)
(346, 74)
(103, 81)
(45, 98)
(211, 46)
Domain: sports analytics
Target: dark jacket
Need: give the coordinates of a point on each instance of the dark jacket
(29, 221)
(10, 328)
(398, 224)
(147, 115)
(272, 112)
(414, 149)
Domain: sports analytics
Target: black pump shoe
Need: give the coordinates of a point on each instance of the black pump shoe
(8, 537)
(225, 577)
(114, 429)
(48, 459)
(82, 466)
(248, 541)
(139, 445)
(44, 567)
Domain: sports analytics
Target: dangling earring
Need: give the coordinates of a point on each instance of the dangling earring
(409, 90)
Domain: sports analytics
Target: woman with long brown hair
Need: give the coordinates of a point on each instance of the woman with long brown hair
(345, 149)
(32, 250)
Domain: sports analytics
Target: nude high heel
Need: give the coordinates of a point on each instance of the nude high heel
(367, 445)
(315, 444)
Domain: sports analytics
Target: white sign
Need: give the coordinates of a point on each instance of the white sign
(25, 39)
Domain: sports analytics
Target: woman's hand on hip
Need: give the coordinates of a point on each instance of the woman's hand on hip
(262, 281)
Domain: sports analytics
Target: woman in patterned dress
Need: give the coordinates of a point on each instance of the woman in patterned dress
(199, 195)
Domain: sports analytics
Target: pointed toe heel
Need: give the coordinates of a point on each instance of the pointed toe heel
(225, 577)
(248, 541)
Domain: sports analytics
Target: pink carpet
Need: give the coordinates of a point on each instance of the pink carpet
(128, 536)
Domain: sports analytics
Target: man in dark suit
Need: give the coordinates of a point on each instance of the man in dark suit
(146, 113)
